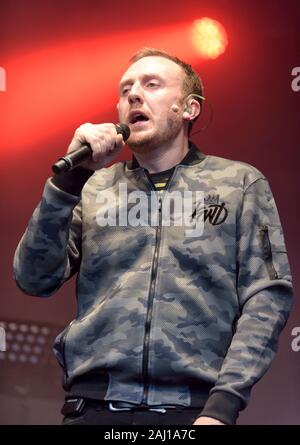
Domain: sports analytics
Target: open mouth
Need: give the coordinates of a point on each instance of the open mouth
(138, 117)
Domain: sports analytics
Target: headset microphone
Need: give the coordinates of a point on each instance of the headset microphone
(175, 108)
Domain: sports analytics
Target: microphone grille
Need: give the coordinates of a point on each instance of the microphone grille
(124, 130)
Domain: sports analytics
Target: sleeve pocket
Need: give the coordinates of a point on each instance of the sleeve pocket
(274, 251)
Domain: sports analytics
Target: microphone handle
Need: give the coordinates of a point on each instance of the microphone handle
(66, 163)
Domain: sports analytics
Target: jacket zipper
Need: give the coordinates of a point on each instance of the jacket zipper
(267, 252)
(149, 309)
(151, 296)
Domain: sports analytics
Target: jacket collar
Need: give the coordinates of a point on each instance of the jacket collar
(194, 156)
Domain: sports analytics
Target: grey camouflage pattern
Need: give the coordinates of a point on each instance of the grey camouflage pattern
(217, 312)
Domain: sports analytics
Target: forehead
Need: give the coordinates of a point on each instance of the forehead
(151, 65)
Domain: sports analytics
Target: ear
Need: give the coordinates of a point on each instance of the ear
(192, 110)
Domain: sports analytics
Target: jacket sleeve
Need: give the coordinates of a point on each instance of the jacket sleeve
(264, 289)
(50, 249)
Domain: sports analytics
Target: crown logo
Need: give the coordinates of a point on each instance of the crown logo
(211, 199)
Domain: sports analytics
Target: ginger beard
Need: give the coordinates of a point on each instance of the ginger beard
(149, 139)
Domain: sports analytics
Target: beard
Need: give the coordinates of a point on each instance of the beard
(147, 141)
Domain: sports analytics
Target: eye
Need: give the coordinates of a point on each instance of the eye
(152, 84)
(125, 91)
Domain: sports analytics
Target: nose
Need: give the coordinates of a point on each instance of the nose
(135, 95)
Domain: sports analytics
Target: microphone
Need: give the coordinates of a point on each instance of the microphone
(83, 153)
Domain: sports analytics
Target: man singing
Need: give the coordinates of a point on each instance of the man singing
(174, 325)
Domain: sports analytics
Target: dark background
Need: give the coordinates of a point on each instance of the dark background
(63, 60)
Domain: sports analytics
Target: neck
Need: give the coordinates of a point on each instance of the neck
(164, 156)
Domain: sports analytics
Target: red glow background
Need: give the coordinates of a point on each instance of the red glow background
(63, 61)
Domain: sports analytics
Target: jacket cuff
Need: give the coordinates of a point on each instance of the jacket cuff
(72, 181)
(223, 406)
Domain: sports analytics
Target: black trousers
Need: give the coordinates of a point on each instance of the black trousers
(98, 414)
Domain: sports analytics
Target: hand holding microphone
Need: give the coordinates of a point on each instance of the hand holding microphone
(93, 146)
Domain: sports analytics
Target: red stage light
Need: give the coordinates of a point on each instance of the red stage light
(51, 90)
(209, 38)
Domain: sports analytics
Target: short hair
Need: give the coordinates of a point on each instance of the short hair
(192, 83)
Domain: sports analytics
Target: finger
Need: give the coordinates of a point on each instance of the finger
(99, 141)
(98, 152)
(119, 140)
(107, 126)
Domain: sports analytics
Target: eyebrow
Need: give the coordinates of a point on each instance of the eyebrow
(125, 82)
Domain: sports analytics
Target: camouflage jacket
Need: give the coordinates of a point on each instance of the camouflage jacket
(160, 311)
